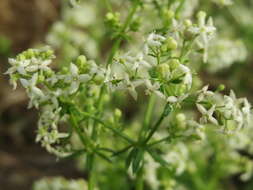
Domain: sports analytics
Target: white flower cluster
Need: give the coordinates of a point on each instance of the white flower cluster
(59, 183)
(161, 67)
(224, 52)
(226, 111)
(46, 89)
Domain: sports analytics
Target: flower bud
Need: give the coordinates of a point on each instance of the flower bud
(29, 53)
(109, 16)
(81, 60)
(169, 14)
(163, 70)
(221, 87)
(187, 23)
(173, 63)
(171, 43)
(49, 53)
(41, 78)
(99, 79)
(117, 113)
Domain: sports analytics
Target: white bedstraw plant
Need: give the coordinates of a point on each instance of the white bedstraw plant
(74, 101)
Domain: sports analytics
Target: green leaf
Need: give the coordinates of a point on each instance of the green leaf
(158, 158)
(137, 160)
(167, 110)
(130, 156)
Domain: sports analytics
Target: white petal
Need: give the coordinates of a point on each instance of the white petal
(84, 77)
(73, 69)
(24, 82)
(74, 87)
(201, 109)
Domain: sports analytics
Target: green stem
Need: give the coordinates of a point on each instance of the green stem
(108, 5)
(124, 136)
(91, 179)
(148, 115)
(117, 43)
(139, 180)
(85, 143)
(157, 124)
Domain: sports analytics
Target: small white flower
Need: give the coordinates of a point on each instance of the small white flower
(178, 99)
(207, 115)
(203, 93)
(18, 66)
(75, 79)
(36, 95)
(154, 88)
(188, 76)
(155, 40)
(205, 32)
(131, 85)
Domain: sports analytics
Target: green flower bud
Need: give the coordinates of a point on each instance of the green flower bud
(109, 16)
(181, 120)
(48, 73)
(173, 63)
(163, 70)
(187, 23)
(41, 78)
(21, 57)
(201, 15)
(180, 117)
(169, 14)
(29, 53)
(81, 60)
(49, 53)
(171, 43)
(221, 87)
(99, 79)
(117, 113)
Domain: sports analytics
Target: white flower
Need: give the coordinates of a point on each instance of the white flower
(205, 32)
(75, 79)
(154, 88)
(139, 62)
(37, 64)
(207, 115)
(131, 85)
(246, 109)
(174, 99)
(155, 40)
(203, 93)
(187, 77)
(36, 95)
(18, 66)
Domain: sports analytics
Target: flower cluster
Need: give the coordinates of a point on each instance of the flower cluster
(228, 112)
(58, 183)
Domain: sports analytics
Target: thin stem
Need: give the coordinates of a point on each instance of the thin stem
(116, 45)
(139, 180)
(91, 181)
(108, 5)
(124, 136)
(154, 129)
(157, 124)
(148, 115)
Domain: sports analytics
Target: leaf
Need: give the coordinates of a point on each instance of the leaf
(158, 158)
(75, 154)
(136, 165)
(130, 156)
(168, 108)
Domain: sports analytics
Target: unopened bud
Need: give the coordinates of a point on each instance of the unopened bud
(174, 63)
(171, 43)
